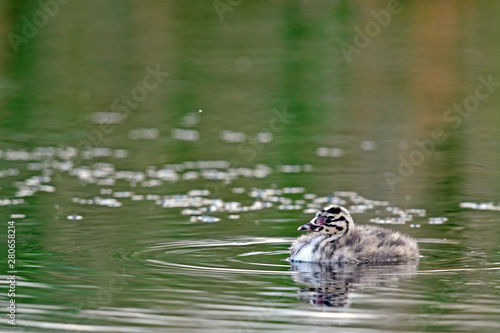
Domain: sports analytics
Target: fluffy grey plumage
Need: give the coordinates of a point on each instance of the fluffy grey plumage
(337, 240)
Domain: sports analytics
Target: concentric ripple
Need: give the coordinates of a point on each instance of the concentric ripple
(264, 255)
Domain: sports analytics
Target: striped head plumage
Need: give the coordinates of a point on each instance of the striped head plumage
(333, 220)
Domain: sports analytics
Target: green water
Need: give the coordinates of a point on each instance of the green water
(158, 157)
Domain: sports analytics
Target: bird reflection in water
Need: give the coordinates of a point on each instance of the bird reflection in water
(331, 285)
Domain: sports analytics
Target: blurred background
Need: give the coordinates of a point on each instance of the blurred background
(158, 156)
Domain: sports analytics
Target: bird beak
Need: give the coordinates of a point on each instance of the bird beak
(305, 227)
(308, 226)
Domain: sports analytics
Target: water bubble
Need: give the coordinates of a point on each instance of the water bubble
(105, 191)
(197, 193)
(107, 117)
(191, 175)
(290, 207)
(289, 168)
(232, 137)
(185, 134)
(264, 137)
(368, 145)
(191, 119)
(207, 219)
(238, 190)
(480, 206)
(120, 153)
(437, 220)
(143, 133)
(293, 190)
(329, 152)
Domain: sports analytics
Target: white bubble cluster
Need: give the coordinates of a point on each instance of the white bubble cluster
(480, 206)
(11, 202)
(290, 207)
(205, 184)
(402, 216)
(98, 201)
(107, 117)
(39, 154)
(232, 137)
(264, 137)
(143, 133)
(238, 137)
(368, 145)
(437, 220)
(329, 152)
(10, 172)
(32, 185)
(205, 218)
(293, 168)
(185, 134)
(191, 119)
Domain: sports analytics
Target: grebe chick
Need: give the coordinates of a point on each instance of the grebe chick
(335, 239)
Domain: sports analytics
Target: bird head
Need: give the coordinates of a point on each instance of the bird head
(332, 220)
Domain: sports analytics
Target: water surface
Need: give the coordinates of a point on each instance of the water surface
(157, 159)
